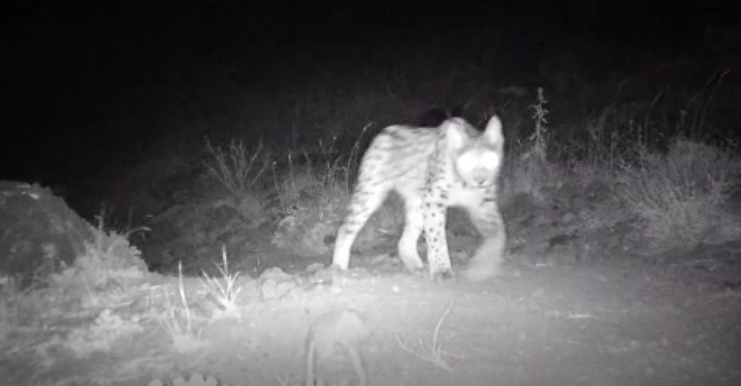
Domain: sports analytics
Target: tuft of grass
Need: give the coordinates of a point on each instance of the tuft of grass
(224, 291)
(237, 168)
(681, 196)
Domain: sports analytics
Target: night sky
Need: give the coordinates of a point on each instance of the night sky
(91, 86)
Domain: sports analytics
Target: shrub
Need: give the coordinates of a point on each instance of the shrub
(680, 196)
(237, 168)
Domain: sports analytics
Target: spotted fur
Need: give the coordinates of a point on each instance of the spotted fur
(432, 169)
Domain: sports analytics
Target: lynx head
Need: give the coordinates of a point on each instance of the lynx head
(477, 158)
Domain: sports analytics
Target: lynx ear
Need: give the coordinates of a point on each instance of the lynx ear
(455, 133)
(493, 131)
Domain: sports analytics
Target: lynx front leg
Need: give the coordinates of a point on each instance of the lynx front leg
(437, 243)
(487, 261)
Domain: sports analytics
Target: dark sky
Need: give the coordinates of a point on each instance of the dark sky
(83, 79)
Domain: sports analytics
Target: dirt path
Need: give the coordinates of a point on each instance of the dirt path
(606, 324)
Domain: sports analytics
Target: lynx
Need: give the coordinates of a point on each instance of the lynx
(432, 169)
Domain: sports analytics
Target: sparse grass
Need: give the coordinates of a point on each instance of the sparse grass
(237, 168)
(606, 141)
(323, 175)
(313, 194)
(224, 291)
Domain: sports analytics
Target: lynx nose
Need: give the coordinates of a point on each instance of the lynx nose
(481, 177)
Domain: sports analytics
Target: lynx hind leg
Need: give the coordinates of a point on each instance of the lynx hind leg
(413, 226)
(368, 195)
(487, 261)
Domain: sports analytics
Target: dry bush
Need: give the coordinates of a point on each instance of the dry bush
(681, 196)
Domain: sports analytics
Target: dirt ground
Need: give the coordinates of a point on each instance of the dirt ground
(671, 320)
(606, 324)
